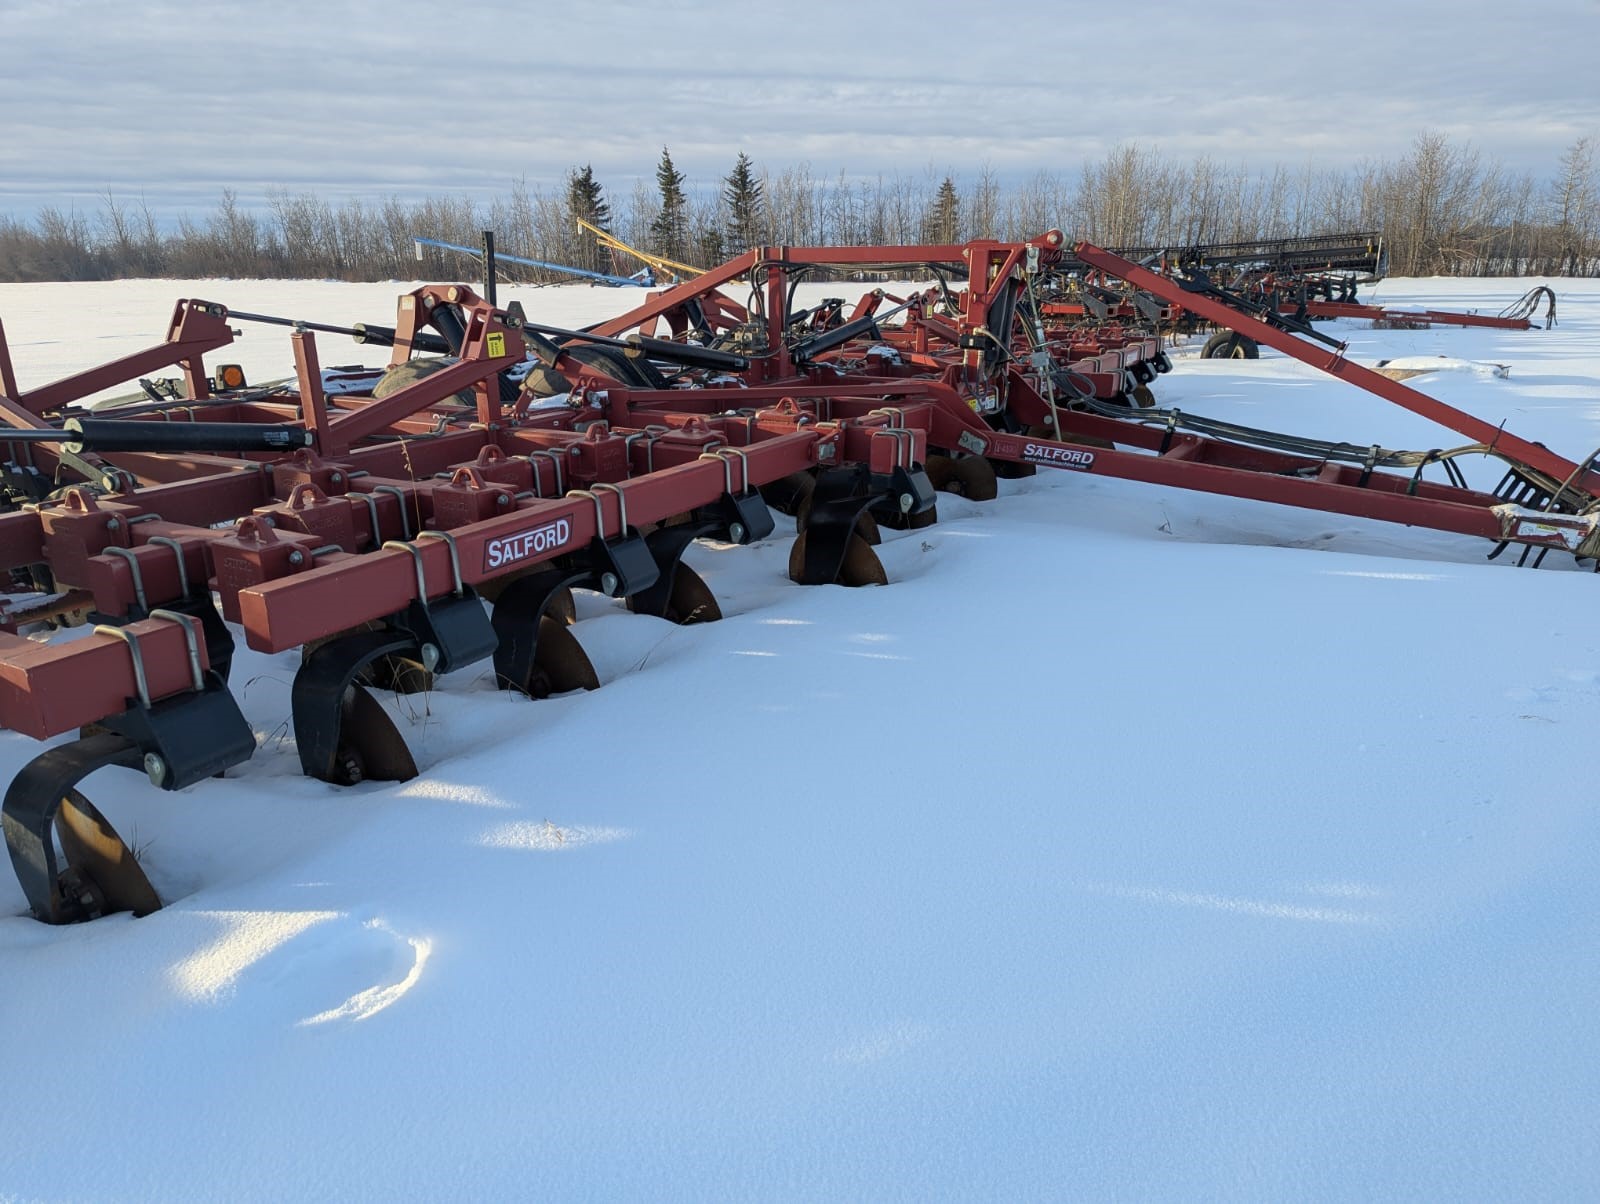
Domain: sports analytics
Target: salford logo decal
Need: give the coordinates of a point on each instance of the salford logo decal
(1057, 457)
(509, 549)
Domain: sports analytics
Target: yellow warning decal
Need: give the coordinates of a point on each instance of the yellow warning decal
(495, 342)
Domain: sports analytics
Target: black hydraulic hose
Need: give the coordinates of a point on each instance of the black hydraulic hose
(1525, 305)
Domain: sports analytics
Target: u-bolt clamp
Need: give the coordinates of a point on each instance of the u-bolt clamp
(723, 453)
(141, 682)
(726, 454)
(138, 576)
(904, 443)
(416, 560)
(555, 459)
(399, 496)
(622, 504)
(372, 511)
(455, 556)
(599, 510)
(629, 440)
(191, 637)
(167, 541)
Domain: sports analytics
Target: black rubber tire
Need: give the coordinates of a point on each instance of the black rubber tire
(634, 371)
(1230, 345)
(409, 373)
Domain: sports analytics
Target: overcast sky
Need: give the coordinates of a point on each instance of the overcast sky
(178, 101)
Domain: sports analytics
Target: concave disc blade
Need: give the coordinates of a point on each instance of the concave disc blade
(692, 600)
(976, 478)
(93, 848)
(400, 674)
(861, 565)
(372, 741)
(559, 663)
(563, 606)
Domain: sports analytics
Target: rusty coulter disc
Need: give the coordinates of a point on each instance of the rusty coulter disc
(941, 470)
(861, 564)
(787, 494)
(975, 478)
(866, 525)
(969, 476)
(559, 662)
(92, 847)
(561, 604)
(691, 600)
(400, 674)
(563, 607)
(373, 750)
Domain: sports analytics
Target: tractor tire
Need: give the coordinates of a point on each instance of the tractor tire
(1230, 345)
(400, 376)
(545, 382)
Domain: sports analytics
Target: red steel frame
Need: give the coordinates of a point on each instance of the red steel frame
(293, 546)
(1431, 317)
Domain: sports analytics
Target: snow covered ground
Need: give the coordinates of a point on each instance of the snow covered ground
(1132, 844)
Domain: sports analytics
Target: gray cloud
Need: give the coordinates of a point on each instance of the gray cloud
(178, 101)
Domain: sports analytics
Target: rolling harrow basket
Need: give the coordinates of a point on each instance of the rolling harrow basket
(397, 525)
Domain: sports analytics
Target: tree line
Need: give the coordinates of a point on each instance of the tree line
(1442, 207)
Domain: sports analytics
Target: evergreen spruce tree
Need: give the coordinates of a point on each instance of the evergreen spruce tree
(941, 222)
(746, 202)
(669, 232)
(587, 200)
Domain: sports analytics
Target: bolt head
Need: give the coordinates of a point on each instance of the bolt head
(156, 768)
(736, 530)
(608, 584)
(336, 479)
(297, 557)
(430, 656)
(906, 502)
(113, 524)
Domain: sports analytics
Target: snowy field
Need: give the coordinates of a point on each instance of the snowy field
(1133, 844)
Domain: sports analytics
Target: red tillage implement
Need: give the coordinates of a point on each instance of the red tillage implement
(397, 527)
